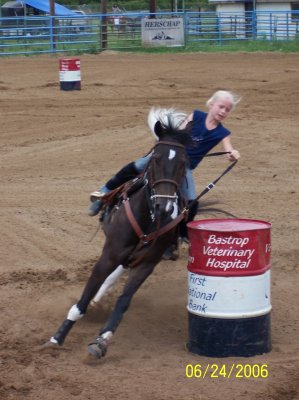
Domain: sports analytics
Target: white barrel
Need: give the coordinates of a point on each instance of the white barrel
(231, 297)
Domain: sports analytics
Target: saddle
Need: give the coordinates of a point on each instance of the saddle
(115, 196)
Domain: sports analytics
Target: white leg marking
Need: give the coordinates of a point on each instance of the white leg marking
(107, 335)
(108, 283)
(74, 313)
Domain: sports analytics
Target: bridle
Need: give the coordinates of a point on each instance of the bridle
(150, 183)
(147, 238)
(149, 173)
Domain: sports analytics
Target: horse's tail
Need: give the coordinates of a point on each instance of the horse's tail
(170, 120)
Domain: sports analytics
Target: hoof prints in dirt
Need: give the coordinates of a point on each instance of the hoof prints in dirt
(32, 276)
(13, 391)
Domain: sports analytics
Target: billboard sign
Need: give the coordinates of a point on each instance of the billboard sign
(162, 32)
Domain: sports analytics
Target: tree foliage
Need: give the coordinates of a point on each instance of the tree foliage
(137, 5)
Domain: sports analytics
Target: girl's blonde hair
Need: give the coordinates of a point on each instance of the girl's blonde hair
(221, 94)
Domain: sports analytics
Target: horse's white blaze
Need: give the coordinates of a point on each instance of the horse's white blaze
(108, 283)
(172, 205)
(172, 154)
(175, 210)
(168, 205)
(74, 313)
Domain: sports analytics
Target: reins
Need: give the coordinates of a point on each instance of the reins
(146, 238)
(213, 184)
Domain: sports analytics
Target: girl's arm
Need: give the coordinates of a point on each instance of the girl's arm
(233, 154)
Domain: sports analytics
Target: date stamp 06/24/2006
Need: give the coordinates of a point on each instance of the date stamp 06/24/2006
(215, 371)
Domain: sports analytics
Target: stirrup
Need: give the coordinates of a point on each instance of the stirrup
(96, 195)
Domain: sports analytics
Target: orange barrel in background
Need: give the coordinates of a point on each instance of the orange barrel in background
(70, 74)
(229, 305)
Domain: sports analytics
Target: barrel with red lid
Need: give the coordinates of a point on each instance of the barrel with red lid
(229, 287)
(229, 247)
(70, 73)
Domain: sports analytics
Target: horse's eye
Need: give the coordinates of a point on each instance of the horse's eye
(156, 156)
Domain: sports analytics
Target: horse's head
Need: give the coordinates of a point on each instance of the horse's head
(167, 166)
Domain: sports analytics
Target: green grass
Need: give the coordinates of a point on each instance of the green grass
(134, 45)
(248, 46)
(229, 46)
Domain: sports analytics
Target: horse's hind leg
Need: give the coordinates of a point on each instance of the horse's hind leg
(137, 276)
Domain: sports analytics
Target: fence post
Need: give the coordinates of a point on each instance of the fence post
(52, 34)
(185, 28)
(271, 27)
(104, 29)
(218, 27)
(254, 25)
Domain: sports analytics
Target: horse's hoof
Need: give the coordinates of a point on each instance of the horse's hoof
(98, 348)
(171, 253)
(95, 351)
(184, 243)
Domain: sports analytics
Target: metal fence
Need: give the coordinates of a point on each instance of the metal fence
(226, 27)
(29, 35)
(96, 32)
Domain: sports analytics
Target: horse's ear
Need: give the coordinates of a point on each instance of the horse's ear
(158, 129)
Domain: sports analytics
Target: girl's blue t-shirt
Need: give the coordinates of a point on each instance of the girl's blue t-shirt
(203, 139)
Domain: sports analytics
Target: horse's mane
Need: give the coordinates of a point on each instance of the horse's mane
(166, 122)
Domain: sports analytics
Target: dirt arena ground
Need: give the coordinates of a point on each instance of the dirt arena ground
(56, 147)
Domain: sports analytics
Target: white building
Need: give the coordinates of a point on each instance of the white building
(264, 19)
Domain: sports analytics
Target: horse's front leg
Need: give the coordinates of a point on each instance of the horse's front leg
(137, 276)
(109, 282)
(102, 269)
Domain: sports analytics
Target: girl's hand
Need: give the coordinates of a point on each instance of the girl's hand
(233, 155)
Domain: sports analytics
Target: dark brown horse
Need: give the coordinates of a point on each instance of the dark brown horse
(139, 228)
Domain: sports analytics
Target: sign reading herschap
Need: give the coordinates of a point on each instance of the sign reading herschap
(163, 32)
